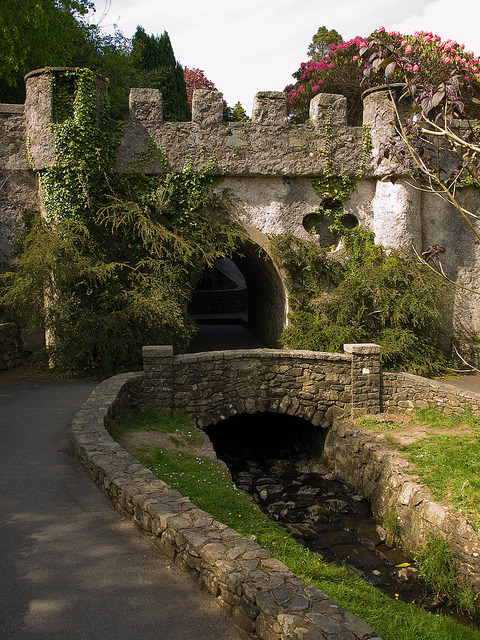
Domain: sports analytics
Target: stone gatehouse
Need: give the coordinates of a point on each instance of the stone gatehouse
(267, 167)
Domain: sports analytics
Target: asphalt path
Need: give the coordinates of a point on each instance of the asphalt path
(71, 567)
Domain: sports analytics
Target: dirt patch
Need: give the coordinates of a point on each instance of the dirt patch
(403, 429)
(194, 442)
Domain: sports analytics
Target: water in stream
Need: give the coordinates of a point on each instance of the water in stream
(326, 515)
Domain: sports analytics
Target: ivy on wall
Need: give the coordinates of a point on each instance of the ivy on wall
(112, 263)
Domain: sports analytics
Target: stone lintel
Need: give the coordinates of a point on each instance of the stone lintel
(362, 349)
(12, 108)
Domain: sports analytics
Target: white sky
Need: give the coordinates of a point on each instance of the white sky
(246, 46)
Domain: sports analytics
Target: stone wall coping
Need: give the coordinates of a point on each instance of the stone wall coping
(366, 348)
(157, 351)
(285, 354)
(259, 592)
(419, 382)
(16, 109)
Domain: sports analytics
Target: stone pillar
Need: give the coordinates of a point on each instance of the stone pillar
(159, 378)
(366, 377)
(397, 215)
(39, 118)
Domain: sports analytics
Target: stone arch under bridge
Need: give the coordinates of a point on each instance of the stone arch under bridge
(216, 385)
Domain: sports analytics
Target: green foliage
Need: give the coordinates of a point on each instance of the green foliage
(320, 45)
(333, 191)
(154, 57)
(393, 529)
(363, 294)
(37, 33)
(117, 257)
(437, 566)
(239, 114)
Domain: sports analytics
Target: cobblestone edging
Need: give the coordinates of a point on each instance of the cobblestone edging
(10, 346)
(256, 590)
(367, 463)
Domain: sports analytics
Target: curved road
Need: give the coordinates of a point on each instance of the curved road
(71, 567)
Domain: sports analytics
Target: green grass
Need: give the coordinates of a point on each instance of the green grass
(449, 465)
(151, 419)
(437, 567)
(379, 424)
(207, 485)
(441, 420)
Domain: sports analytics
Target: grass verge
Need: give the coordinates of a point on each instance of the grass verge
(207, 485)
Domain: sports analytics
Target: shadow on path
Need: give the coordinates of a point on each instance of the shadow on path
(71, 566)
(217, 337)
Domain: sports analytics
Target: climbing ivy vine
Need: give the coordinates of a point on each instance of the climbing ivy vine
(112, 263)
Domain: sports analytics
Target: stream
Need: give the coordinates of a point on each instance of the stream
(280, 472)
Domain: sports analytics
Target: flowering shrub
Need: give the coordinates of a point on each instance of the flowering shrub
(352, 67)
(339, 72)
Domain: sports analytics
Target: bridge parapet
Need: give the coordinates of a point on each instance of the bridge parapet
(215, 385)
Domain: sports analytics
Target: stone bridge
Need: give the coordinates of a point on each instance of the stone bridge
(216, 385)
(316, 386)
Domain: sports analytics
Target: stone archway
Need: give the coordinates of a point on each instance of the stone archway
(267, 294)
(260, 301)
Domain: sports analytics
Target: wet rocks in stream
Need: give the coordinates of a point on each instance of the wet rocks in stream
(327, 517)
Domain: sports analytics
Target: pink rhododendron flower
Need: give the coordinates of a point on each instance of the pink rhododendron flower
(316, 88)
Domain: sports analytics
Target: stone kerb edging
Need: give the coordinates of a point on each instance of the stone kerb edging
(406, 391)
(255, 589)
(368, 464)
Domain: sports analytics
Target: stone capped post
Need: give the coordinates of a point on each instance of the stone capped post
(366, 377)
(158, 371)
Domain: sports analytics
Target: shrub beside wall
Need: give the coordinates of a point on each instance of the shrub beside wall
(11, 348)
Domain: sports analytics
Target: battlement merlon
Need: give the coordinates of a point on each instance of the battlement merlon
(268, 145)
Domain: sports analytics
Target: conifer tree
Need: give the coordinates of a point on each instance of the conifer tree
(153, 56)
